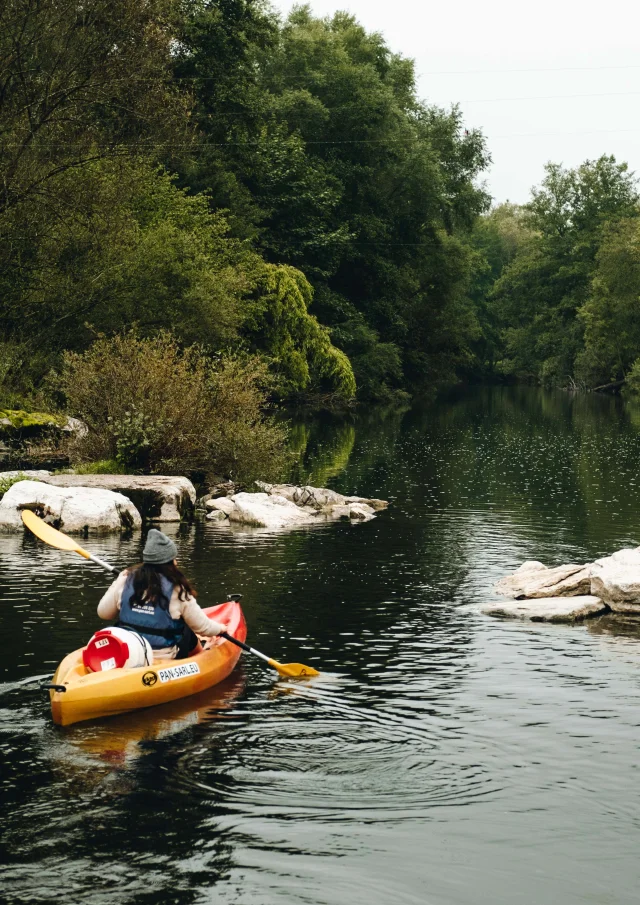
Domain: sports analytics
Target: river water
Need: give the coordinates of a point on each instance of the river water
(442, 757)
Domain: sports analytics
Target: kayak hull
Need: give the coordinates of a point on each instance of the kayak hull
(91, 695)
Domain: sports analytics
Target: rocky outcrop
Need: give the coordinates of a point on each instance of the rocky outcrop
(610, 584)
(16, 424)
(264, 511)
(35, 474)
(533, 579)
(616, 579)
(549, 609)
(288, 506)
(318, 498)
(72, 509)
(158, 498)
(221, 504)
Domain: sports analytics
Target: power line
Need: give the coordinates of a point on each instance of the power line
(546, 97)
(580, 132)
(197, 146)
(540, 69)
(290, 79)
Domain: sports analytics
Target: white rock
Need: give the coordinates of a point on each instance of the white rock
(616, 579)
(160, 498)
(75, 426)
(72, 509)
(217, 515)
(36, 475)
(223, 504)
(533, 579)
(549, 609)
(341, 512)
(377, 505)
(319, 498)
(264, 511)
(360, 512)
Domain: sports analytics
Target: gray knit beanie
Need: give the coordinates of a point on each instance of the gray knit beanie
(159, 548)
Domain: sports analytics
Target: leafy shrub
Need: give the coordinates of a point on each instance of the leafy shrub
(6, 483)
(632, 386)
(155, 407)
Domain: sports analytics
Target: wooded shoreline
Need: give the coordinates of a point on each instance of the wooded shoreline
(270, 207)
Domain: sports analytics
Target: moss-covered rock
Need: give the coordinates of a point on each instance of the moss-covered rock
(21, 425)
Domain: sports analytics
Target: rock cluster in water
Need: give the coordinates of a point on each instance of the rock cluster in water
(80, 503)
(287, 505)
(572, 592)
(74, 510)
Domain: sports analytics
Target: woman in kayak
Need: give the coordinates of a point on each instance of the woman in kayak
(156, 600)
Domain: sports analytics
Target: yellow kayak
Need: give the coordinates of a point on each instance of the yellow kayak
(88, 695)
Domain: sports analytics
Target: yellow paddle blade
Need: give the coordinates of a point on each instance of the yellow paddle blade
(293, 670)
(50, 535)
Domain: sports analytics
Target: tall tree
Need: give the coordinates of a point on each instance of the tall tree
(538, 295)
(80, 81)
(345, 175)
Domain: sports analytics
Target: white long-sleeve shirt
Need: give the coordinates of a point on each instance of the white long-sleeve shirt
(187, 609)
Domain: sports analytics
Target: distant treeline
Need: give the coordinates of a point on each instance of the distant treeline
(558, 295)
(277, 189)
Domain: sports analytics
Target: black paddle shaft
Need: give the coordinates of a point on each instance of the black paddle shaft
(233, 640)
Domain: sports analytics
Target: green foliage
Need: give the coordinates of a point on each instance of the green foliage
(102, 466)
(633, 380)
(154, 407)
(328, 158)
(132, 248)
(299, 347)
(542, 300)
(6, 483)
(81, 82)
(611, 314)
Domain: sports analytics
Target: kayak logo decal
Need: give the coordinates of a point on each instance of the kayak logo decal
(149, 679)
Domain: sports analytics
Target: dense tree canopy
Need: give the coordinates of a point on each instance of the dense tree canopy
(278, 188)
(552, 299)
(329, 160)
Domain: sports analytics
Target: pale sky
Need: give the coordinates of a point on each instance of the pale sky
(554, 80)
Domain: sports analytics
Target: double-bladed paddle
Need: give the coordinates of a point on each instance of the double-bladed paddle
(56, 538)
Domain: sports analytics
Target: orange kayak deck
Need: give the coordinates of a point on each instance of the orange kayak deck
(90, 695)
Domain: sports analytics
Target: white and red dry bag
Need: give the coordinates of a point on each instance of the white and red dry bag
(115, 648)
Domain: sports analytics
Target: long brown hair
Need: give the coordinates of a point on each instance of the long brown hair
(148, 587)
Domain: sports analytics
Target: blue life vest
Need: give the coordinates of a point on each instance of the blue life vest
(153, 622)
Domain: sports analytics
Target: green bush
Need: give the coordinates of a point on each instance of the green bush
(154, 407)
(6, 483)
(632, 385)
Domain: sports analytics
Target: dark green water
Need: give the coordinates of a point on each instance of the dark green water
(443, 757)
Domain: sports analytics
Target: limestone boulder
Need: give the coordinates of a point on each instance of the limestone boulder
(221, 504)
(72, 509)
(36, 474)
(616, 579)
(158, 498)
(290, 506)
(549, 609)
(534, 580)
(264, 510)
(217, 515)
(360, 512)
(318, 498)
